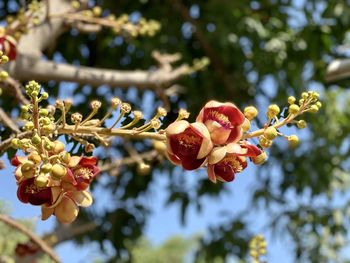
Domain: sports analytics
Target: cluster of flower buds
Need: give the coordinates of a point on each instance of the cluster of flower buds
(48, 175)
(120, 25)
(257, 248)
(219, 136)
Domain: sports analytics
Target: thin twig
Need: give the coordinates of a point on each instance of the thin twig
(4, 118)
(33, 237)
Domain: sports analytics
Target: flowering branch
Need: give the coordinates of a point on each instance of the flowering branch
(33, 237)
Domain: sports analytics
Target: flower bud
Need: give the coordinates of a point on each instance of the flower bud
(264, 142)
(260, 159)
(45, 95)
(272, 111)
(115, 102)
(304, 95)
(58, 171)
(15, 143)
(143, 169)
(293, 141)
(36, 139)
(291, 99)
(65, 157)
(137, 114)
(301, 124)
(250, 112)
(314, 108)
(155, 124)
(58, 147)
(319, 104)
(161, 112)
(76, 117)
(46, 168)
(294, 109)
(270, 133)
(183, 114)
(4, 59)
(34, 157)
(3, 75)
(43, 112)
(97, 11)
(41, 180)
(159, 146)
(29, 126)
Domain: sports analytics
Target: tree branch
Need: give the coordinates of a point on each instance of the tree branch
(337, 70)
(28, 68)
(33, 237)
(4, 118)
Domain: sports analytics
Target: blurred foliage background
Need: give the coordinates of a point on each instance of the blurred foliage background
(260, 52)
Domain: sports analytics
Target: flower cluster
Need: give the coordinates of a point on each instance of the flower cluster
(214, 139)
(219, 136)
(56, 181)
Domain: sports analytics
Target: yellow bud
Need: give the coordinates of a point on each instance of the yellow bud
(45, 95)
(28, 169)
(116, 102)
(246, 125)
(29, 126)
(43, 112)
(250, 112)
(137, 114)
(291, 99)
(319, 104)
(95, 105)
(315, 95)
(76, 117)
(4, 59)
(264, 142)
(294, 109)
(301, 102)
(272, 111)
(125, 107)
(34, 157)
(304, 95)
(58, 171)
(159, 146)
(65, 157)
(183, 114)
(270, 133)
(293, 141)
(313, 109)
(301, 124)
(260, 159)
(3, 75)
(15, 143)
(161, 112)
(36, 139)
(46, 168)
(75, 4)
(58, 147)
(143, 169)
(97, 11)
(41, 180)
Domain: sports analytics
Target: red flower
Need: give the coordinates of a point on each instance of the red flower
(8, 46)
(224, 162)
(28, 192)
(223, 120)
(81, 172)
(188, 144)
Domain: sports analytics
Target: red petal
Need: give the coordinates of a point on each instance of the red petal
(252, 150)
(224, 172)
(192, 164)
(88, 161)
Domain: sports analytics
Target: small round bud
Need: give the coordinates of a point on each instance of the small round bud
(15, 143)
(59, 104)
(43, 112)
(159, 146)
(65, 157)
(143, 169)
(115, 102)
(272, 111)
(89, 148)
(34, 94)
(126, 108)
(68, 103)
(46, 168)
(250, 112)
(264, 142)
(27, 166)
(293, 141)
(319, 104)
(76, 118)
(314, 108)
(34, 157)
(95, 105)
(29, 126)
(58, 171)
(97, 11)
(260, 159)
(58, 147)
(183, 114)
(161, 112)
(137, 114)
(49, 128)
(293, 109)
(304, 95)
(246, 125)
(48, 145)
(3, 75)
(75, 4)
(270, 133)
(4, 59)
(315, 95)
(36, 139)
(301, 124)
(291, 99)
(45, 95)
(41, 180)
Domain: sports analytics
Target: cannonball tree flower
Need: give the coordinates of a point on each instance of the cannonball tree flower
(225, 161)
(80, 173)
(8, 46)
(223, 120)
(188, 144)
(29, 192)
(66, 205)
